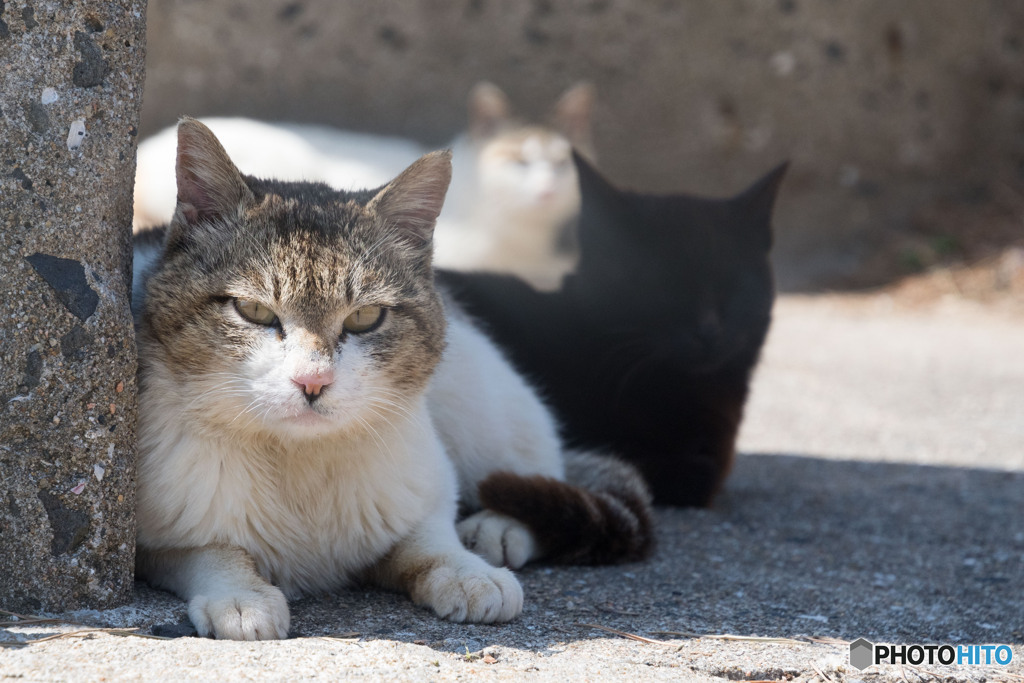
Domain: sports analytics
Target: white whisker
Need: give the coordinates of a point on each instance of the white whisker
(376, 435)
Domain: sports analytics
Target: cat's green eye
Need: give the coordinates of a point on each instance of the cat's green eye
(255, 313)
(364, 319)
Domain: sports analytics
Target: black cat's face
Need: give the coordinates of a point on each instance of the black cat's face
(688, 279)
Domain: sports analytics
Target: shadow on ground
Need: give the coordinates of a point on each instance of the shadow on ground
(796, 546)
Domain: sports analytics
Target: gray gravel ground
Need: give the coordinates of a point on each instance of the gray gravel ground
(880, 495)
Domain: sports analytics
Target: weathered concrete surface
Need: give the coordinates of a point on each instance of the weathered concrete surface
(71, 84)
(876, 529)
(884, 107)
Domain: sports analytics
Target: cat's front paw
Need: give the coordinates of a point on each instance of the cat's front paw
(470, 590)
(499, 539)
(258, 613)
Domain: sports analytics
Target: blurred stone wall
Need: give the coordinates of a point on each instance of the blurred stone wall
(70, 95)
(883, 107)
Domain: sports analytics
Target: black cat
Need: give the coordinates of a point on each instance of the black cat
(648, 348)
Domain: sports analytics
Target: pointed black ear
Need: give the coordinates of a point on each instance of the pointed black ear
(594, 189)
(412, 201)
(603, 211)
(759, 199)
(756, 202)
(209, 185)
(572, 116)
(489, 110)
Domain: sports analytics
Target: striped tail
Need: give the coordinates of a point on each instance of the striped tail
(601, 513)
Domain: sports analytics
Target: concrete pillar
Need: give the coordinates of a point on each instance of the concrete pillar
(71, 77)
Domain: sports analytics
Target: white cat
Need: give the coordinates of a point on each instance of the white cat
(515, 195)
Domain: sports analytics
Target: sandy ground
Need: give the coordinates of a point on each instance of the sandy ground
(879, 494)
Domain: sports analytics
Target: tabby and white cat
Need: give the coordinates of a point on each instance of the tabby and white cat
(513, 197)
(311, 409)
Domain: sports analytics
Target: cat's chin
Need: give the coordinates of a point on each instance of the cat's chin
(689, 358)
(305, 423)
(307, 418)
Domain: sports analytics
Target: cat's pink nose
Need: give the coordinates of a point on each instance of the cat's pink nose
(313, 383)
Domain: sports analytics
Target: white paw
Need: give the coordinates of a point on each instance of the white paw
(501, 540)
(468, 589)
(259, 613)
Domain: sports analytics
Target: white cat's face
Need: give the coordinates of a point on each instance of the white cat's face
(531, 171)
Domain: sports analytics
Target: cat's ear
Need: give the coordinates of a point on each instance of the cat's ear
(412, 201)
(594, 188)
(758, 200)
(572, 116)
(601, 212)
(489, 110)
(209, 184)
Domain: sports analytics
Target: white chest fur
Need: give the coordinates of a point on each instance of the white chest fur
(311, 515)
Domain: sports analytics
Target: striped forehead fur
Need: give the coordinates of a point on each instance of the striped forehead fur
(301, 229)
